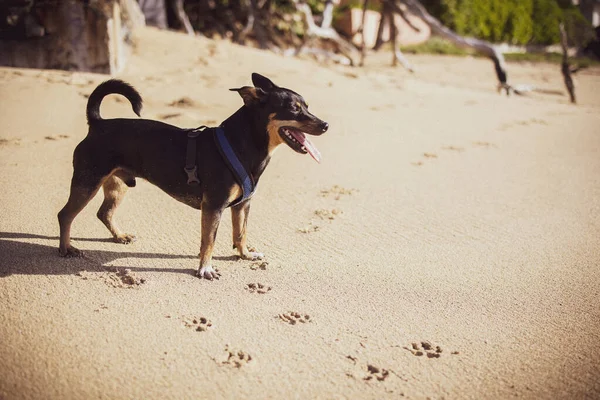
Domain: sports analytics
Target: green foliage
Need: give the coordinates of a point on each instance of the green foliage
(546, 17)
(436, 45)
(513, 21)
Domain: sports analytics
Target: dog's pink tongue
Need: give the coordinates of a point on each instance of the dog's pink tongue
(310, 148)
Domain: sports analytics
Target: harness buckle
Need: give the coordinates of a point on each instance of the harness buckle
(192, 174)
(191, 169)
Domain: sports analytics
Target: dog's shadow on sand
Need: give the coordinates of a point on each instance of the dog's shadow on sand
(24, 258)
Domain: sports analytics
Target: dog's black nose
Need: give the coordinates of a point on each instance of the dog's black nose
(324, 127)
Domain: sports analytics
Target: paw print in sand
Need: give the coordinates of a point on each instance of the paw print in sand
(259, 265)
(426, 348)
(327, 214)
(337, 192)
(257, 288)
(236, 358)
(293, 317)
(376, 373)
(199, 324)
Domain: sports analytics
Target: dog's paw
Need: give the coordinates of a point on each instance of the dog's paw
(253, 256)
(124, 238)
(208, 272)
(70, 252)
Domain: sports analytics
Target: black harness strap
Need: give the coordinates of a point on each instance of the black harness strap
(243, 178)
(191, 169)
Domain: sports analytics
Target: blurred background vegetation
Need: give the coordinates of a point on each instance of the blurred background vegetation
(513, 21)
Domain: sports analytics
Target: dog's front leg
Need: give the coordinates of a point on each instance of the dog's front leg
(239, 222)
(210, 223)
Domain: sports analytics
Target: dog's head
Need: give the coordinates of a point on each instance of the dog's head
(285, 114)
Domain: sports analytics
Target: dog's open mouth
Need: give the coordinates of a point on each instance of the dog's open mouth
(297, 140)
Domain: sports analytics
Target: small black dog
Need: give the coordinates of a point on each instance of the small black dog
(208, 169)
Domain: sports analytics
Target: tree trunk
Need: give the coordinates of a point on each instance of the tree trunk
(77, 36)
(565, 69)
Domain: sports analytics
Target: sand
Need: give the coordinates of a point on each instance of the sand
(448, 245)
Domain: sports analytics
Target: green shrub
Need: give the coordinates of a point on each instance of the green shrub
(436, 45)
(513, 21)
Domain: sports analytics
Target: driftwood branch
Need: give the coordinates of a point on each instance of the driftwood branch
(383, 14)
(480, 46)
(565, 69)
(398, 10)
(361, 31)
(327, 15)
(249, 24)
(182, 17)
(324, 32)
(397, 55)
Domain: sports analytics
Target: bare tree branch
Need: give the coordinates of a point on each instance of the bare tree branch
(361, 31)
(565, 69)
(480, 46)
(383, 14)
(345, 47)
(398, 56)
(397, 9)
(183, 18)
(249, 24)
(327, 15)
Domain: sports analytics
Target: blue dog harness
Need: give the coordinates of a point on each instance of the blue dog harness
(233, 162)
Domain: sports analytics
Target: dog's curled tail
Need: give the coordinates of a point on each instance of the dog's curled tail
(112, 86)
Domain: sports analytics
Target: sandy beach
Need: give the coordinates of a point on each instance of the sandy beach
(447, 247)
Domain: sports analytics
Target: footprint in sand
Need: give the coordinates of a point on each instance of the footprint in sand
(184, 102)
(259, 265)
(115, 277)
(327, 214)
(450, 148)
(427, 156)
(293, 318)
(420, 349)
(236, 358)
(169, 115)
(484, 144)
(311, 227)
(200, 324)
(9, 142)
(257, 288)
(454, 148)
(525, 122)
(373, 373)
(337, 192)
(57, 137)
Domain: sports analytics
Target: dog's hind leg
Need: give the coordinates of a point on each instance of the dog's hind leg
(81, 194)
(239, 223)
(210, 223)
(114, 190)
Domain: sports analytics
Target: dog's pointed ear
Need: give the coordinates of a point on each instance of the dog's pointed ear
(251, 95)
(262, 82)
